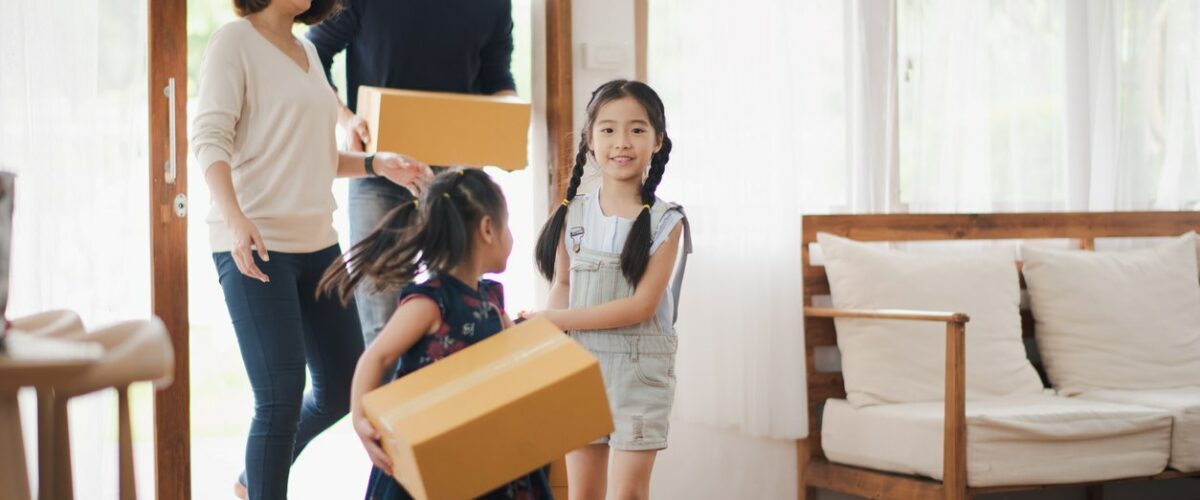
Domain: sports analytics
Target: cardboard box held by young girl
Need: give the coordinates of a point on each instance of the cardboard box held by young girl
(507, 405)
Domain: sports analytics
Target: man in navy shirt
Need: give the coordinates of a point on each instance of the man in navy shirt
(462, 46)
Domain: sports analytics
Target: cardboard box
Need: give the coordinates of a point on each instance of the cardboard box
(446, 129)
(490, 413)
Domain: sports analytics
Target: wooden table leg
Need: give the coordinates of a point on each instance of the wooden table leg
(14, 476)
(46, 434)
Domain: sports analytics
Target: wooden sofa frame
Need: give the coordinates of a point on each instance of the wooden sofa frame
(815, 471)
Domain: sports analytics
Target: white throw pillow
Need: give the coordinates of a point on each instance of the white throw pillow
(1117, 320)
(889, 361)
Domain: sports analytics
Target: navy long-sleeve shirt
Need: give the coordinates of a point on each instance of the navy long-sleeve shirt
(462, 46)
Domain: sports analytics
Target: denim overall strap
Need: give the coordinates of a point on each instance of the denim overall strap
(681, 264)
(596, 277)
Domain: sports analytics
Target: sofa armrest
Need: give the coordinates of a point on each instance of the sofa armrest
(954, 438)
(898, 314)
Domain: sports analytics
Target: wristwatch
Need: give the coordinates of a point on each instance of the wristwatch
(367, 165)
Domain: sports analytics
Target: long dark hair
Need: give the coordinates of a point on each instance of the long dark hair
(432, 233)
(636, 254)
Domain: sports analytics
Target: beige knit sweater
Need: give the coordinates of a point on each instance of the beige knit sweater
(274, 124)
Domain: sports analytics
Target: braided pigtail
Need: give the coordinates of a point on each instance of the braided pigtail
(636, 254)
(551, 235)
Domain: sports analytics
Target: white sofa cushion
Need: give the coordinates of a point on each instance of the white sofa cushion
(887, 361)
(1039, 439)
(1184, 405)
(1117, 320)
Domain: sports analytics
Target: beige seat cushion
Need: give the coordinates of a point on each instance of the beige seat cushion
(1039, 439)
(1184, 405)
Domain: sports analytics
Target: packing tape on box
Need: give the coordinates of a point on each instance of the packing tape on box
(456, 386)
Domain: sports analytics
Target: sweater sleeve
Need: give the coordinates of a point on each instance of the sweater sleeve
(219, 105)
(334, 35)
(495, 73)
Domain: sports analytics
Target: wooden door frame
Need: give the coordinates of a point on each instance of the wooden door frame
(168, 240)
(560, 102)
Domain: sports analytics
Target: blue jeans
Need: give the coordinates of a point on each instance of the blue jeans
(370, 200)
(281, 327)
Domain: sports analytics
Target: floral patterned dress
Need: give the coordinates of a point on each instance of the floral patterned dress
(467, 316)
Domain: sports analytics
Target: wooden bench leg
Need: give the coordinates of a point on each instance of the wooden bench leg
(954, 437)
(803, 491)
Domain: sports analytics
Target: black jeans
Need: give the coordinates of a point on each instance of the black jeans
(281, 327)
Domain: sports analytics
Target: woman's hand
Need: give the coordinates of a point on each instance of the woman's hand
(247, 240)
(404, 171)
(370, 440)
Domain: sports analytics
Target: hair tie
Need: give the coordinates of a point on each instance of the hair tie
(447, 195)
(416, 203)
(462, 171)
(647, 207)
(566, 202)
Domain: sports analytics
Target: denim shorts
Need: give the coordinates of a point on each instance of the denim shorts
(639, 377)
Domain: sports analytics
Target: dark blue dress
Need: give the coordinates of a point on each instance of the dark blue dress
(468, 316)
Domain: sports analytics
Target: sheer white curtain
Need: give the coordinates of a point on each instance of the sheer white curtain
(1143, 102)
(981, 105)
(73, 118)
(1173, 47)
(756, 110)
(1023, 105)
(871, 102)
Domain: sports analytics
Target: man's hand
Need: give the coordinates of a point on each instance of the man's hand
(357, 133)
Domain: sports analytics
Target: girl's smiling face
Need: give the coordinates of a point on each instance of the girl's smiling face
(622, 140)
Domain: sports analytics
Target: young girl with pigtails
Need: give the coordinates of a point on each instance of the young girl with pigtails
(450, 237)
(610, 256)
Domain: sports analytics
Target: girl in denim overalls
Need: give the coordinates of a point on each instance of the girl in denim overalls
(610, 257)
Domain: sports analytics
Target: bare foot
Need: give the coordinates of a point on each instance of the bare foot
(239, 490)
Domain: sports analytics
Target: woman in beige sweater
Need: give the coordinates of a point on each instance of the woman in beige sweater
(264, 135)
